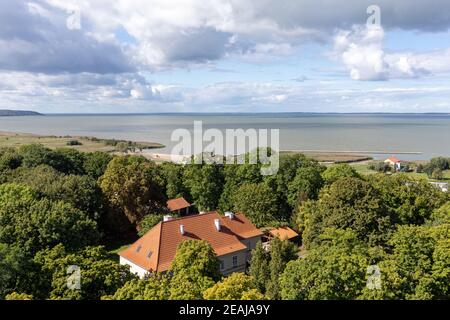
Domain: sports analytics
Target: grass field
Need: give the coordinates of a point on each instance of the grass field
(88, 144)
(334, 157)
(363, 168)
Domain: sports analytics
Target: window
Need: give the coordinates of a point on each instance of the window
(235, 261)
(222, 265)
(149, 254)
(138, 248)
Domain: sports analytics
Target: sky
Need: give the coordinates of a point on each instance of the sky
(99, 56)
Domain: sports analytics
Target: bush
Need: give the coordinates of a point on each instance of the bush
(149, 222)
(437, 174)
(74, 143)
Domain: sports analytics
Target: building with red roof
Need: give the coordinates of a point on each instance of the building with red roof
(394, 162)
(179, 206)
(232, 238)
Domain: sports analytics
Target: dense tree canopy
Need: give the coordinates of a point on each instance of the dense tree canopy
(257, 201)
(195, 268)
(237, 286)
(35, 224)
(95, 163)
(409, 201)
(259, 267)
(153, 287)
(347, 203)
(336, 269)
(133, 187)
(235, 176)
(338, 171)
(99, 275)
(306, 185)
(80, 191)
(14, 270)
(419, 265)
(173, 177)
(204, 183)
(56, 206)
(266, 267)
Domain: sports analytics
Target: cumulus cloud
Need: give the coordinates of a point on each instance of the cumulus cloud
(34, 38)
(81, 86)
(361, 50)
(172, 31)
(122, 44)
(179, 32)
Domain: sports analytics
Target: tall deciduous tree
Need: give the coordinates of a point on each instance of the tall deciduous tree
(237, 286)
(195, 268)
(259, 267)
(338, 171)
(281, 252)
(133, 187)
(204, 183)
(257, 202)
(409, 200)
(235, 176)
(347, 203)
(173, 176)
(35, 224)
(82, 192)
(154, 286)
(306, 185)
(418, 267)
(334, 270)
(95, 163)
(99, 275)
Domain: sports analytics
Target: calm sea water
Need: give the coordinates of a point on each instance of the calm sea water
(392, 133)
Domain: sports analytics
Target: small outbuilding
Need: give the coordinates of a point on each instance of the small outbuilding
(179, 206)
(394, 162)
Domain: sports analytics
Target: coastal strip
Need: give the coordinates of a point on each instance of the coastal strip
(353, 152)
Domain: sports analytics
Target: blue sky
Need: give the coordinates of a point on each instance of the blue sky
(224, 56)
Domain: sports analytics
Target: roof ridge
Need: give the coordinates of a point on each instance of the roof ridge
(190, 216)
(159, 245)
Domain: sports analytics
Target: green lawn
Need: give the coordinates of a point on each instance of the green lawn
(363, 168)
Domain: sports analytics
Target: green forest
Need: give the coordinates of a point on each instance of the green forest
(64, 207)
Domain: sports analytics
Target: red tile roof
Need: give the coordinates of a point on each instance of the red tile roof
(283, 233)
(392, 159)
(163, 239)
(177, 204)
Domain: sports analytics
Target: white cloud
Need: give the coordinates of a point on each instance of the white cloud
(361, 51)
(182, 31)
(41, 58)
(34, 38)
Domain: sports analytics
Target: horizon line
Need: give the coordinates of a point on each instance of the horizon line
(238, 113)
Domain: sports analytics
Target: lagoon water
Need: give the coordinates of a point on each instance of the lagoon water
(370, 133)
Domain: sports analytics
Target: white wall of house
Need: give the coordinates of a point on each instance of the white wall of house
(227, 266)
(134, 268)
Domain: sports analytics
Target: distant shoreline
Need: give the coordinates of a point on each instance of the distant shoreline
(246, 113)
(18, 113)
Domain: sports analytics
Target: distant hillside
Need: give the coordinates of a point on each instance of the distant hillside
(6, 113)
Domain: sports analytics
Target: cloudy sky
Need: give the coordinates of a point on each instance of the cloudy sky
(95, 56)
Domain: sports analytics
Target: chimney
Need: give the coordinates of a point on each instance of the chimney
(182, 229)
(217, 224)
(167, 218)
(229, 215)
